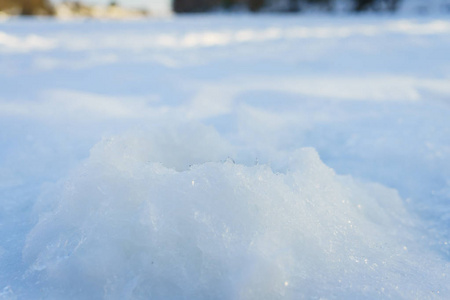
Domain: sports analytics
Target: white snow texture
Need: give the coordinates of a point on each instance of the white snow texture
(267, 157)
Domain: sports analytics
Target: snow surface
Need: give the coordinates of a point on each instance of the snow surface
(266, 157)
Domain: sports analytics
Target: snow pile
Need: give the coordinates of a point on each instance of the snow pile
(125, 226)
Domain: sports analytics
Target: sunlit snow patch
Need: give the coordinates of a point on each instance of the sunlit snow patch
(11, 43)
(125, 226)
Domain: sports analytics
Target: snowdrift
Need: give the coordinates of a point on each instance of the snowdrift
(126, 226)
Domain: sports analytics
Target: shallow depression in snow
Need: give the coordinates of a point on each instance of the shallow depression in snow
(125, 226)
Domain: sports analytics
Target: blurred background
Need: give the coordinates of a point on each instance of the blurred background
(144, 8)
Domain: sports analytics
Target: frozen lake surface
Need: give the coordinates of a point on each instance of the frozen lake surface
(214, 157)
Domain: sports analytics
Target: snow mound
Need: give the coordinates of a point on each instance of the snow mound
(129, 223)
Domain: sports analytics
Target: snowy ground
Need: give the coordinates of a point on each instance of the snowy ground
(225, 158)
